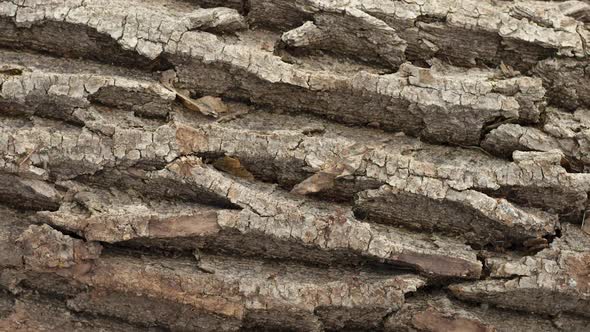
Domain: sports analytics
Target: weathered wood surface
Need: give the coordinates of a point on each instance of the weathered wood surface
(294, 165)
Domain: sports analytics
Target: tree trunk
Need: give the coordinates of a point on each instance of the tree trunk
(294, 165)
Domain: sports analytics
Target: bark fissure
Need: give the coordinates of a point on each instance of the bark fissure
(308, 165)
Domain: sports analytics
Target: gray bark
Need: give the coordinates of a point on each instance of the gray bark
(303, 165)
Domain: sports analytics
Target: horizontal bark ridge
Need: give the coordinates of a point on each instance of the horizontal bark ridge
(304, 165)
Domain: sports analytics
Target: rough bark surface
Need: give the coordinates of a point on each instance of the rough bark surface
(294, 165)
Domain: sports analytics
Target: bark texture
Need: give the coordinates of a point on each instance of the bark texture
(294, 165)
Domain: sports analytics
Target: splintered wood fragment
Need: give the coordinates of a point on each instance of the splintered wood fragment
(315, 183)
(345, 165)
(212, 105)
(232, 166)
(207, 105)
(324, 179)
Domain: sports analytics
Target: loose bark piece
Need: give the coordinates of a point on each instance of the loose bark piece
(560, 271)
(272, 225)
(563, 131)
(137, 142)
(232, 166)
(231, 290)
(480, 219)
(315, 183)
(210, 106)
(424, 102)
(438, 312)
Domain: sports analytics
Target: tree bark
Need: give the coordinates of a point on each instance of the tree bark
(294, 165)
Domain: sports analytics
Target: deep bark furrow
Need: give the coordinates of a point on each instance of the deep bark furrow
(294, 165)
